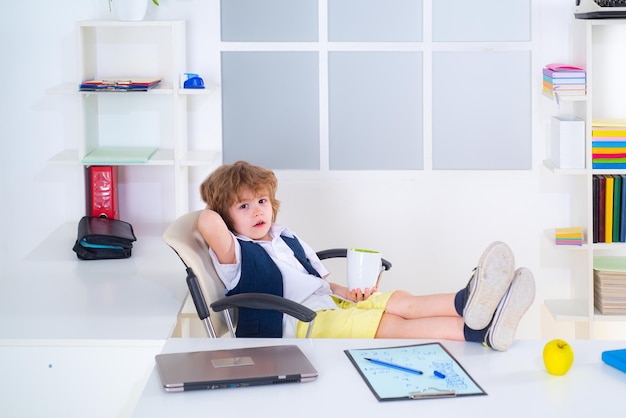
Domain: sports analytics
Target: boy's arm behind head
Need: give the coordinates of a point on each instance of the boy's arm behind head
(217, 235)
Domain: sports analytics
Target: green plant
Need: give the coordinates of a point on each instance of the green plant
(156, 3)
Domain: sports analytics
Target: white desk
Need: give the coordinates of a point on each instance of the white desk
(78, 338)
(95, 379)
(53, 295)
(516, 382)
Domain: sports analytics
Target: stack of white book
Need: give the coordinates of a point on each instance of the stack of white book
(609, 285)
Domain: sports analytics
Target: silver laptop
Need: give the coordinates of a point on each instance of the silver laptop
(218, 369)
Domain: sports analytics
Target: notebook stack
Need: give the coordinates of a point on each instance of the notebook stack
(609, 285)
(120, 84)
(564, 80)
(568, 236)
(609, 208)
(608, 143)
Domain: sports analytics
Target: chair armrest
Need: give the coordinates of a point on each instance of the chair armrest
(196, 295)
(265, 301)
(342, 252)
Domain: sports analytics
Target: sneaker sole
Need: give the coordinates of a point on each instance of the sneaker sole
(495, 273)
(520, 297)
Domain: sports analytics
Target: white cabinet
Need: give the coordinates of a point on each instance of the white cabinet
(157, 118)
(599, 46)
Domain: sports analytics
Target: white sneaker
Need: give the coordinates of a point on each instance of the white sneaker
(510, 310)
(490, 281)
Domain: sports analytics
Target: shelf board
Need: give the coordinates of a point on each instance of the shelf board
(201, 158)
(65, 157)
(565, 98)
(166, 88)
(605, 22)
(609, 245)
(70, 157)
(64, 89)
(549, 164)
(162, 157)
(130, 24)
(568, 309)
(597, 316)
(206, 91)
(611, 171)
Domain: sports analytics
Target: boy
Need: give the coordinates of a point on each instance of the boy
(252, 253)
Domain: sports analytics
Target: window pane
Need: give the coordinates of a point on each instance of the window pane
(481, 110)
(481, 20)
(269, 20)
(375, 107)
(374, 20)
(270, 108)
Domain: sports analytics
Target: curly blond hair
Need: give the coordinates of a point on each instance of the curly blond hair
(229, 182)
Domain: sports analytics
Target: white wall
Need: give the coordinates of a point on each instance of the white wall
(432, 225)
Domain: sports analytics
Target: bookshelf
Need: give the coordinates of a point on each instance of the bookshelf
(599, 46)
(155, 118)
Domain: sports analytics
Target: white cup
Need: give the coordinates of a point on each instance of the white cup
(363, 267)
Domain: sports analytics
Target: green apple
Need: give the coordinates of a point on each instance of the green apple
(558, 356)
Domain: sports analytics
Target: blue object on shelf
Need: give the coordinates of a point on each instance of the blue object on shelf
(194, 83)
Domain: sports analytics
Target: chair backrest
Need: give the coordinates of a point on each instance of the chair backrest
(183, 237)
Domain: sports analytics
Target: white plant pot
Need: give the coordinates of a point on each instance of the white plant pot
(131, 10)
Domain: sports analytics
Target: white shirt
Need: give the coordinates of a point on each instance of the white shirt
(298, 285)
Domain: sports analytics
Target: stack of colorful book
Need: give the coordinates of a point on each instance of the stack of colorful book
(609, 285)
(568, 236)
(608, 143)
(609, 208)
(564, 80)
(120, 84)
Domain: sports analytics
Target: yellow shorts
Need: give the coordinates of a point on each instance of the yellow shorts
(349, 320)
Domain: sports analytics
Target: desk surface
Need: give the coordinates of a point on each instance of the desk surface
(53, 295)
(516, 382)
(59, 380)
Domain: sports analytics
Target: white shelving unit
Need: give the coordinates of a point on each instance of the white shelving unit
(156, 118)
(599, 46)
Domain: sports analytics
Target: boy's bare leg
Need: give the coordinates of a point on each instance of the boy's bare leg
(408, 306)
(447, 328)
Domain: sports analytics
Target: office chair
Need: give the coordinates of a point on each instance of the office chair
(204, 285)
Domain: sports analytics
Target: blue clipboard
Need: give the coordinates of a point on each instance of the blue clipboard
(420, 371)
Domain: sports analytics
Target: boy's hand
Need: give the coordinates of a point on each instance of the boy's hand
(358, 295)
(354, 295)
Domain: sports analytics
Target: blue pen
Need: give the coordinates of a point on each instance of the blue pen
(393, 366)
(439, 374)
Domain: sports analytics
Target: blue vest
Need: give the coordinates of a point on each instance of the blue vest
(260, 274)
